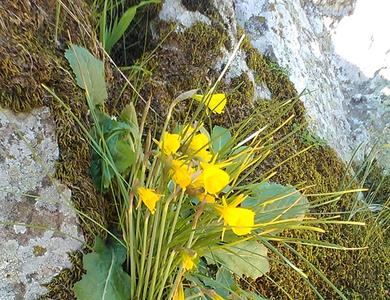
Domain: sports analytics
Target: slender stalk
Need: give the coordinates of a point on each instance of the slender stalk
(158, 253)
(177, 282)
(156, 219)
(173, 225)
(143, 257)
(133, 277)
(195, 223)
(166, 274)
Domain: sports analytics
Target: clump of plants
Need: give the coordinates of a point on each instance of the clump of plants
(191, 219)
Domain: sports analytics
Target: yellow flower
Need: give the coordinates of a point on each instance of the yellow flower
(206, 197)
(216, 102)
(214, 178)
(149, 197)
(179, 293)
(188, 260)
(199, 141)
(181, 173)
(199, 146)
(170, 143)
(241, 220)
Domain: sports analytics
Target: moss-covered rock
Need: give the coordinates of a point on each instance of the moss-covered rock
(29, 57)
(185, 61)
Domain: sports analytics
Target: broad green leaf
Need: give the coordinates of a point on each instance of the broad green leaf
(89, 73)
(123, 156)
(248, 258)
(105, 278)
(117, 143)
(272, 201)
(120, 27)
(225, 280)
(219, 138)
(222, 285)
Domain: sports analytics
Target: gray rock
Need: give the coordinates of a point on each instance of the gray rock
(38, 226)
(336, 9)
(343, 106)
(174, 11)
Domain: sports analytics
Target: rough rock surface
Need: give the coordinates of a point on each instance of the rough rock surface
(37, 225)
(343, 106)
(346, 108)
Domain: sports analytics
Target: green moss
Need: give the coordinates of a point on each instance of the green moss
(185, 61)
(61, 287)
(39, 251)
(359, 274)
(29, 57)
(377, 181)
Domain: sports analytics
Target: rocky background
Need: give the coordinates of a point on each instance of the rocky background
(341, 104)
(344, 106)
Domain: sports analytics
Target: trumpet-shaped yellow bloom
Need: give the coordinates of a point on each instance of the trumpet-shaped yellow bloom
(181, 173)
(206, 197)
(149, 197)
(170, 143)
(179, 293)
(241, 220)
(188, 260)
(199, 141)
(214, 178)
(204, 155)
(216, 102)
(199, 146)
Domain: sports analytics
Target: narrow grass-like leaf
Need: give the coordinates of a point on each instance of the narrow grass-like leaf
(273, 201)
(123, 24)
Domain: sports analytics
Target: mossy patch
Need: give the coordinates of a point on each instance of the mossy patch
(39, 250)
(30, 57)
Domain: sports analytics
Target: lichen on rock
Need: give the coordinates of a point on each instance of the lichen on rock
(39, 224)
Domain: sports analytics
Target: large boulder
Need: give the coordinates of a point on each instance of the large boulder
(39, 223)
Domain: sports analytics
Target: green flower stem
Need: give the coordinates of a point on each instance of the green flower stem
(177, 282)
(196, 218)
(173, 225)
(132, 247)
(166, 274)
(151, 251)
(143, 257)
(158, 253)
